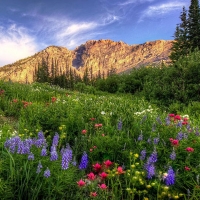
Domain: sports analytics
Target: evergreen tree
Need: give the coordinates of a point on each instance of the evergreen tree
(180, 45)
(42, 74)
(86, 79)
(187, 34)
(194, 25)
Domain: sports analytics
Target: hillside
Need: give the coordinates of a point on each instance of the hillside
(98, 56)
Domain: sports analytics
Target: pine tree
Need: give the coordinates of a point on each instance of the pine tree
(185, 46)
(194, 25)
(180, 45)
(42, 74)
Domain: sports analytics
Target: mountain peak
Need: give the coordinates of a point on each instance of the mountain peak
(99, 56)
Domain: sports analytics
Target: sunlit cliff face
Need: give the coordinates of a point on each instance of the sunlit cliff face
(98, 56)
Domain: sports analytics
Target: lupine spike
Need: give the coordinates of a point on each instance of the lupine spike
(84, 161)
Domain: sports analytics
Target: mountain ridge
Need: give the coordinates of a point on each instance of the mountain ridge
(99, 56)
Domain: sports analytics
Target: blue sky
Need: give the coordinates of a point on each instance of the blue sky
(27, 27)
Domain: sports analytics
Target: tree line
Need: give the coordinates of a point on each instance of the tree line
(187, 33)
(175, 85)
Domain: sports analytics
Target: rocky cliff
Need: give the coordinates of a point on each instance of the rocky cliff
(98, 56)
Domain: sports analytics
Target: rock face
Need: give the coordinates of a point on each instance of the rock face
(98, 56)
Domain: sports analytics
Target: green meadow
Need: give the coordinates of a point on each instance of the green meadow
(63, 144)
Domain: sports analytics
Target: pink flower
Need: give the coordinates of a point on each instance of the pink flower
(189, 149)
(93, 194)
(103, 186)
(103, 134)
(177, 117)
(187, 168)
(81, 183)
(91, 150)
(185, 119)
(108, 163)
(174, 142)
(94, 147)
(120, 170)
(184, 122)
(98, 125)
(92, 119)
(103, 175)
(84, 131)
(171, 115)
(97, 167)
(91, 176)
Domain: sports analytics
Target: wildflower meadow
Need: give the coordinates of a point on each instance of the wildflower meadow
(61, 144)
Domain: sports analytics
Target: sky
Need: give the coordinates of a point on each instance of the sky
(29, 26)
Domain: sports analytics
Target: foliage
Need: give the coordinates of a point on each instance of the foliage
(121, 134)
(187, 33)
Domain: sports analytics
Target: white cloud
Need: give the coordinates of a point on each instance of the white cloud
(128, 2)
(109, 19)
(71, 33)
(157, 10)
(16, 44)
(77, 28)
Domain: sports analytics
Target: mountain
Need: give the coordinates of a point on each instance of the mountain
(98, 56)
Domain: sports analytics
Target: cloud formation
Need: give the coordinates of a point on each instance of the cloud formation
(161, 9)
(16, 43)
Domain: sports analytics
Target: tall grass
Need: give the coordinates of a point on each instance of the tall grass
(62, 143)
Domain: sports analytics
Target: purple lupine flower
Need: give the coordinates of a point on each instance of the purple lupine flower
(62, 151)
(197, 132)
(39, 143)
(180, 136)
(47, 173)
(55, 139)
(156, 140)
(39, 167)
(28, 142)
(167, 121)
(170, 179)
(158, 120)
(66, 158)
(27, 146)
(31, 156)
(44, 151)
(188, 127)
(7, 143)
(150, 170)
(143, 154)
(179, 124)
(153, 157)
(84, 161)
(119, 126)
(173, 155)
(54, 154)
(12, 143)
(140, 137)
(20, 149)
(41, 135)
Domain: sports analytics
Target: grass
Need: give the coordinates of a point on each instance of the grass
(57, 144)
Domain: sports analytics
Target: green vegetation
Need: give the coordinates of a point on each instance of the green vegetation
(89, 144)
(130, 136)
(187, 34)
